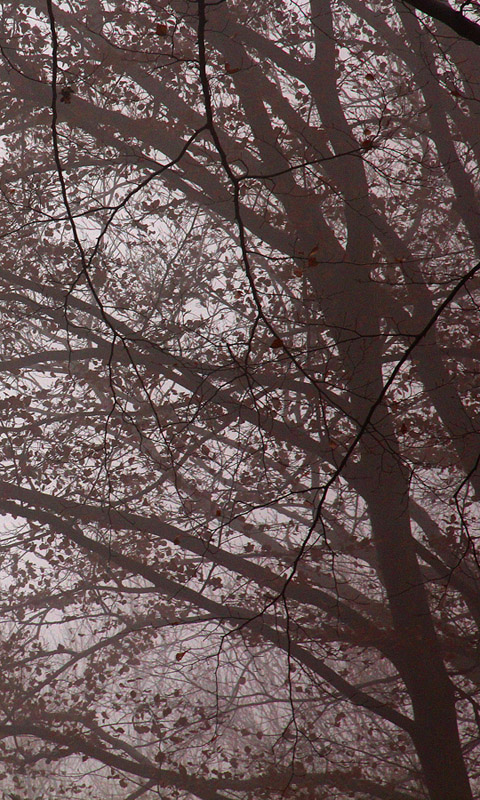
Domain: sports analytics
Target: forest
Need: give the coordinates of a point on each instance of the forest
(240, 400)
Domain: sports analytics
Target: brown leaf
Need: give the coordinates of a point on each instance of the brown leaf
(66, 94)
(179, 656)
(312, 261)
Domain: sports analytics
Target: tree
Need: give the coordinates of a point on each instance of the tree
(240, 400)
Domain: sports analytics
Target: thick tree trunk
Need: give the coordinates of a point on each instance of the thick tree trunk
(383, 481)
(436, 736)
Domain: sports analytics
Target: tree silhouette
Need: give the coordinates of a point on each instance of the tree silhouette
(240, 412)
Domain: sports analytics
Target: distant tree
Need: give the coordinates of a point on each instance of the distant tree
(239, 419)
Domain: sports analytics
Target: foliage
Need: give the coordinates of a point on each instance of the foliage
(239, 414)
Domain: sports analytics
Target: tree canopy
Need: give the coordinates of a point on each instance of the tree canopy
(239, 419)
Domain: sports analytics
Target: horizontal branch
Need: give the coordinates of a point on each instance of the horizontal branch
(235, 617)
(443, 12)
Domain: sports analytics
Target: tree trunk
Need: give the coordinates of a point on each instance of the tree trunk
(383, 483)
